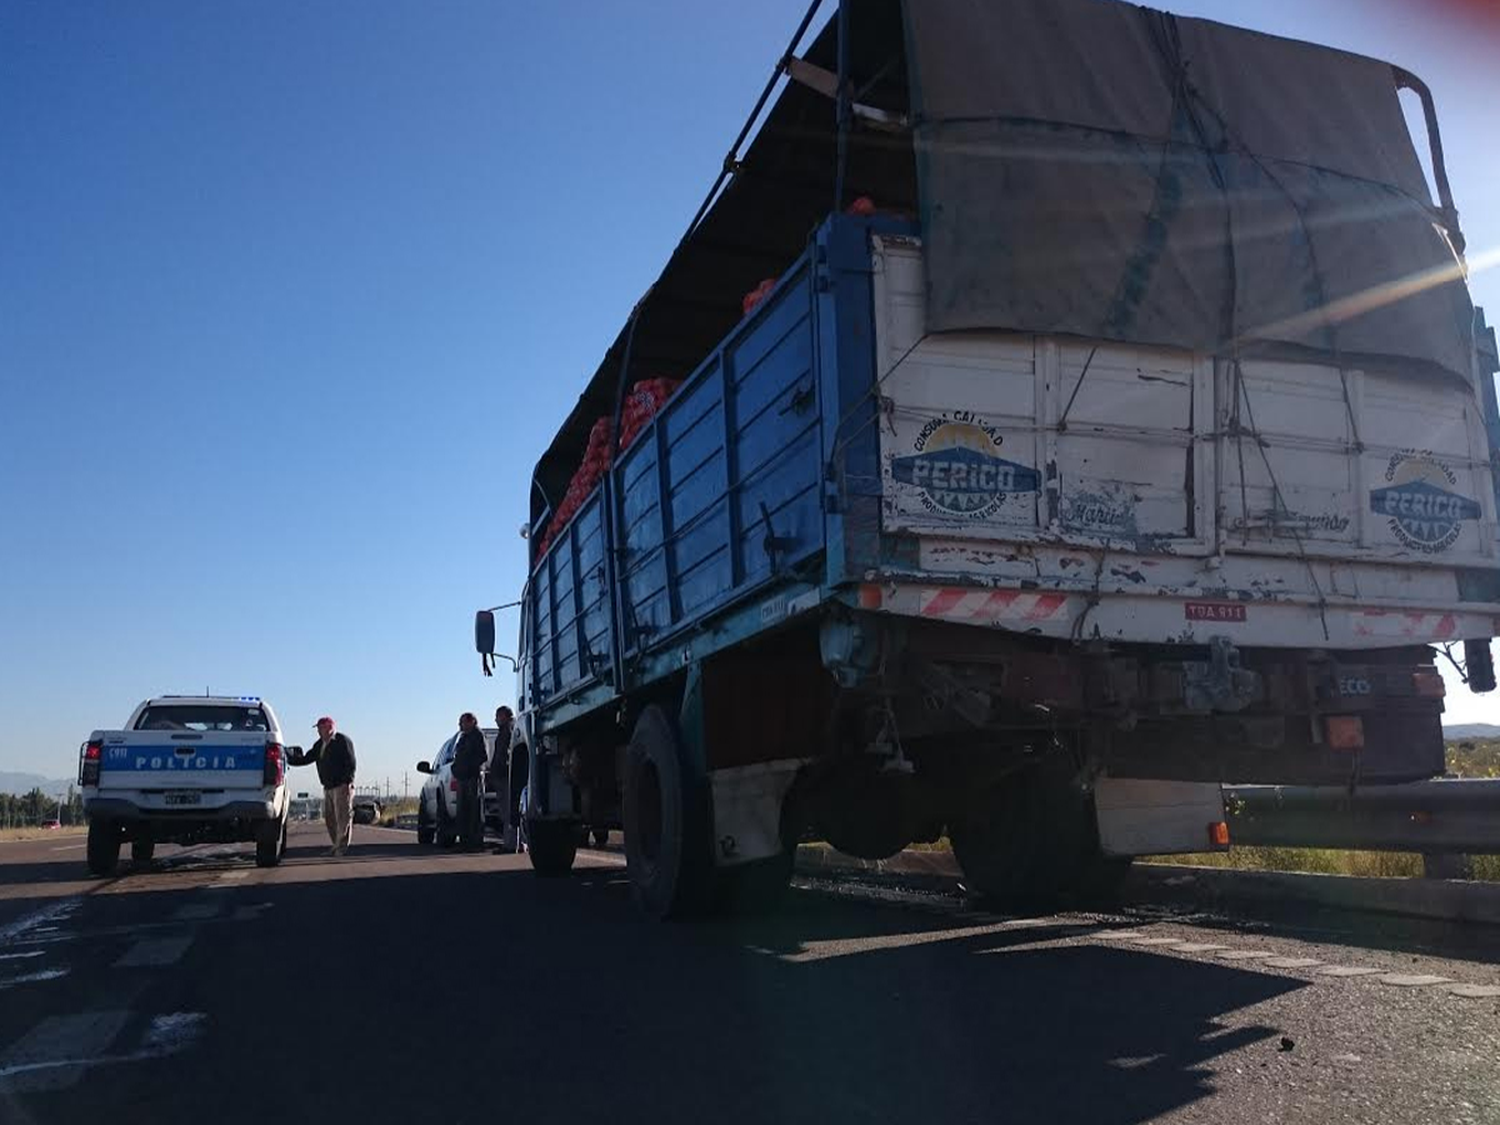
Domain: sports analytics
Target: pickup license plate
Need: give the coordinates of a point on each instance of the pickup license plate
(185, 798)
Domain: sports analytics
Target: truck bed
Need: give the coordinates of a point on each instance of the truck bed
(1159, 495)
(831, 448)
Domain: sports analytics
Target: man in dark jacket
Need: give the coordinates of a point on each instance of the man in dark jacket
(469, 756)
(498, 781)
(333, 754)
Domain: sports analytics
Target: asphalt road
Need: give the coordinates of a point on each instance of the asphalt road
(401, 984)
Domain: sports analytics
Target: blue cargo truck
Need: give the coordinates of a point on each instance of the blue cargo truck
(1094, 446)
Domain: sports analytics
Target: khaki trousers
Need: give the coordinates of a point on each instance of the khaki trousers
(338, 814)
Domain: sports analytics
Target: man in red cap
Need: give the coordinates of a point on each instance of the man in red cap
(334, 756)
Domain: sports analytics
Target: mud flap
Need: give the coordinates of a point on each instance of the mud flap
(1158, 817)
(747, 804)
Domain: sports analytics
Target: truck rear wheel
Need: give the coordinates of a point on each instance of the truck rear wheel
(103, 847)
(270, 842)
(552, 846)
(1032, 840)
(666, 815)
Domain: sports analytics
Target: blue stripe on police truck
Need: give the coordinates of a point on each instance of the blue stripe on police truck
(165, 759)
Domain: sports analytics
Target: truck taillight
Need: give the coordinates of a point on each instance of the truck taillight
(453, 785)
(88, 771)
(275, 764)
(1428, 684)
(1345, 732)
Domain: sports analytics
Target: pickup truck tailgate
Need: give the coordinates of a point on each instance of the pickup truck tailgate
(182, 768)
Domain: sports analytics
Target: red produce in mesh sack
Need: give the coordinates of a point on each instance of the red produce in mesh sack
(757, 295)
(596, 461)
(646, 398)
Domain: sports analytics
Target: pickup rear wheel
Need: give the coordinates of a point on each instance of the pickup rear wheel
(270, 842)
(103, 847)
(666, 813)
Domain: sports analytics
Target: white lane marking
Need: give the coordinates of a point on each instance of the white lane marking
(71, 848)
(21, 1068)
(196, 912)
(844, 947)
(1474, 991)
(1346, 971)
(155, 952)
(1413, 980)
(65, 1044)
(37, 920)
(18, 956)
(1292, 962)
(33, 978)
(1156, 941)
(1246, 955)
(1199, 947)
(172, 1033)
(251, 912)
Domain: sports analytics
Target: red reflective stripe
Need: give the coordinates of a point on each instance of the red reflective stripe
(942, 601)
(1046, 606)
(1447, 625)
(1000, 599)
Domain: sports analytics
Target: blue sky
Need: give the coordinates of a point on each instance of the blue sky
(293, 294)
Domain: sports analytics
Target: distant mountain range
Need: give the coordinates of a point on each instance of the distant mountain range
(20, 784)
(1472, 730)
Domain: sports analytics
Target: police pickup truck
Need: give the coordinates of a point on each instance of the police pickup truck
(186, 770)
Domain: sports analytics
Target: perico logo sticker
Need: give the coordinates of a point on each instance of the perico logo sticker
(1425, 514)
(957, 470)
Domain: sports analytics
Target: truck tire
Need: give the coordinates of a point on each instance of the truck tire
(141, 850)
(1031, 841)
(103, 847)
(270, 842)
(424, 833)
(668, 853)
(552, 846)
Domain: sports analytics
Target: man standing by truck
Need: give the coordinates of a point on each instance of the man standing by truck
(333, 754)
(499, 774)
(469, 756)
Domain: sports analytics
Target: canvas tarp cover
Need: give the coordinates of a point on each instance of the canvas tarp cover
(1097, 169)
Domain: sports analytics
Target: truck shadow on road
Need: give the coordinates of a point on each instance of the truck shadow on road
(569, 1005)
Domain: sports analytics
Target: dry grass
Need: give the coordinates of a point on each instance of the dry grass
(1469, 758)
(1325, 861)
(42, 833)
(389, 813)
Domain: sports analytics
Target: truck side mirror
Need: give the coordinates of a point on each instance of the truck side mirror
(484, 632)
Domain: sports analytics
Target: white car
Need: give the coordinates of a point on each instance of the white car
(186, 770)
(437, 805)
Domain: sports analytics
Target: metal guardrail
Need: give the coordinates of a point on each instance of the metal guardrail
(1441, 817)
